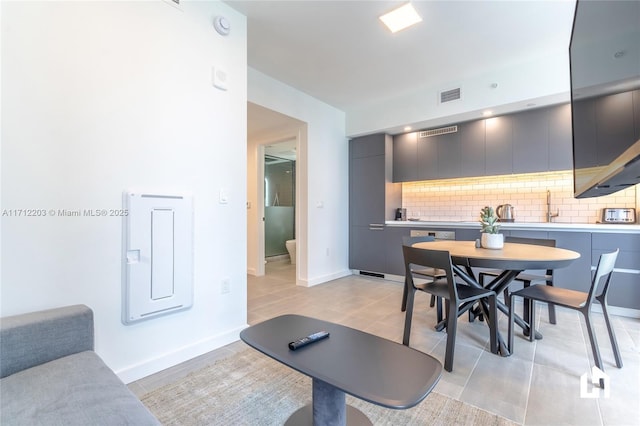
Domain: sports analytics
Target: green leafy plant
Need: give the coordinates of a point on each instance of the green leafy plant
(489, 220)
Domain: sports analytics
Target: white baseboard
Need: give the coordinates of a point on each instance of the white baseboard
(185, 353)
(324, 278)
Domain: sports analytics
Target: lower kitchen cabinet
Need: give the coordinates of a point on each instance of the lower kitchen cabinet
(378, 250)
(394, 257)
(576, 276)
(367, 248)
(625, 281)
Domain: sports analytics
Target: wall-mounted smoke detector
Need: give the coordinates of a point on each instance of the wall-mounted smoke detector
(222, 25)
(449, 95)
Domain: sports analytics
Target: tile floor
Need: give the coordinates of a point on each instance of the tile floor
(538, 385)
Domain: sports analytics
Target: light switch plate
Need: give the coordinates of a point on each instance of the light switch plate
(224, 196)
(219, 78)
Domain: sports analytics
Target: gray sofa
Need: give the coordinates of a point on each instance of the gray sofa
(50, 375)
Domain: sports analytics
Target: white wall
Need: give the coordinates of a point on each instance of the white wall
(325, 186)
(98, 97)
(542, 80)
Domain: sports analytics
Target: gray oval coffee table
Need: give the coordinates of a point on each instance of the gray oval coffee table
(349, 361)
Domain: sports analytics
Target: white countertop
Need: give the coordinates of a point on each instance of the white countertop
(540, 226)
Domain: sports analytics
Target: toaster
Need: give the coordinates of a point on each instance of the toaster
(618, 215)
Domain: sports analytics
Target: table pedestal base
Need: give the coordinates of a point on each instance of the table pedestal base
(328, 408)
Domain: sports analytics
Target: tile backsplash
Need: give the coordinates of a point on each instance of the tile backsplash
(462, 199)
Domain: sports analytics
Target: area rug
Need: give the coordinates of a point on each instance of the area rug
(252, 389)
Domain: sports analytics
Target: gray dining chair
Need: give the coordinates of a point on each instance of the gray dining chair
(430, 273)
(576, 300)
(445, 288)
(526, 278)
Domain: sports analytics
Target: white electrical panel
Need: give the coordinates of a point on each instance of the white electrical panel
(158, 254)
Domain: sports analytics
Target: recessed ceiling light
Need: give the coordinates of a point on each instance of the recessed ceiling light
(401, 18)
(407, 128)
(487, 113)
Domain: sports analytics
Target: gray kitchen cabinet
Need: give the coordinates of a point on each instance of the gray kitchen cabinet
(367, 248)
(560, 138)
(367, 198)
(449, 150)
(576, 276)
(466, 234)
(372, 199)
(405, 157)
(498, 145)
(427, 158)
(394, 259)
(530, 141)
(367, 146)
(625, 281)
(472, 148)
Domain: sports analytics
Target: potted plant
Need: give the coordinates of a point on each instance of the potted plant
(490, 238)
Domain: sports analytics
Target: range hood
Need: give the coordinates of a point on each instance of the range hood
(620, 174)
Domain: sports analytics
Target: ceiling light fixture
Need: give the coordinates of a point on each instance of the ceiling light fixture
(487, 113)
(401, 18)
(407, 128)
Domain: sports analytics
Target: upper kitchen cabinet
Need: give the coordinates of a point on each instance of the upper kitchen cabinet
(449, 150)
(472, 148)
(427, 158)
(405, 157)
(538, 140)
(373, 197)
(499, 145)
(530, 141)
(560, 138)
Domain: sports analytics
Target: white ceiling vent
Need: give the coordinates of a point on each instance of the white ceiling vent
(449, 95)
(436, 132)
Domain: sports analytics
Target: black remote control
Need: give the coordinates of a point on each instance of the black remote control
(297, 344)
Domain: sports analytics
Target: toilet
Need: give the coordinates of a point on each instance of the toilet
(291, 248)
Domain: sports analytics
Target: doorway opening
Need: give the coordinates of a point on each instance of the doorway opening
(280, 201)
(283, 139)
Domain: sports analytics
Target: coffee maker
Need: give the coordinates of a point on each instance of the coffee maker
(401, 214)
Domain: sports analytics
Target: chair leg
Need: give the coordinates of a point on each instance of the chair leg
(493, 324)
(594, 342)
(452, 322)
(432, 302)
(507, 299)
(403, 307)
(408, 316)
(438, 309)
(552, 307)
(525, 309)
(512, 318)
(531, 306)
(612, 335)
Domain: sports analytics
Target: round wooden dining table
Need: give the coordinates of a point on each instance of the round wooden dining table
(512, 259)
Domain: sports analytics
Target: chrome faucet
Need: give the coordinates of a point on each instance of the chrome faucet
(549, 214)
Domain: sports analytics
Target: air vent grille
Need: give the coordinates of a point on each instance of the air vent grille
(436, 132)
(449, 95)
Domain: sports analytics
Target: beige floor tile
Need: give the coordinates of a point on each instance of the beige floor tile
(542, 392)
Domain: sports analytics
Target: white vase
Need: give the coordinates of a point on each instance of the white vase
(492, 241)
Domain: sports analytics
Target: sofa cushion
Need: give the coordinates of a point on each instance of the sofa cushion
(78, 389)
